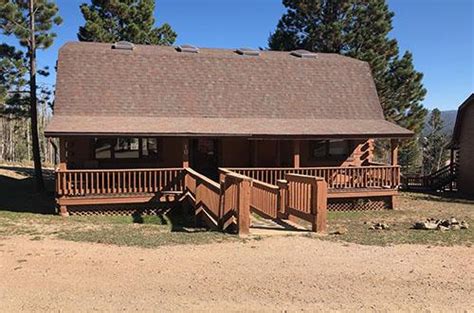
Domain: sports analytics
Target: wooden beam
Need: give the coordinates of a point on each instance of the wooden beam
(254, 153)
(185, 152)
(62, 154)
(278, 153)
(296, 153)
(394, 151)
(243, 217)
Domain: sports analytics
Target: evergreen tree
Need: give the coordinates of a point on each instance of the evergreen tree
(434, 153)
(31, 22)
(359, 29)
(128, 20)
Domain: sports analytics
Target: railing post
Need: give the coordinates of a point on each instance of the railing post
(243, 214)
(282, 198)
(319, 205)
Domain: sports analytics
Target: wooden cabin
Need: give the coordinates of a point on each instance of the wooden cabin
(130, 118)
(462, 148)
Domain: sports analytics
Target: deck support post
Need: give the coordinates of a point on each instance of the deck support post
(394, 151)
(185, 153)
(319, 205)
(63, 211)
(296, 153)
(243, 217)
(282, 199)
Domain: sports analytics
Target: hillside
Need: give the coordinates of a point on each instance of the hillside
(449, 119)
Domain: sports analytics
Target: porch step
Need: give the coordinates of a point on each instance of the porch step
(263, 226)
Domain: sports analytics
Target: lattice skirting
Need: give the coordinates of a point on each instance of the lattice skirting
(359, 204)
(119, 210)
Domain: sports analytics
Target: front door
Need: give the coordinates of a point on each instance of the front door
(204, 157)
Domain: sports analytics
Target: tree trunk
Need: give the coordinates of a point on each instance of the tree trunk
(33, 109)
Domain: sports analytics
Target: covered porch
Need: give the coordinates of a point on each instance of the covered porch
(97, 171)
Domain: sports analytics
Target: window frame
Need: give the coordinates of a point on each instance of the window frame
(327, 155)
(113, 143)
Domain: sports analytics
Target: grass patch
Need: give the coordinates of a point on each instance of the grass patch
(413, 207)
(143, 236)
(140, 231)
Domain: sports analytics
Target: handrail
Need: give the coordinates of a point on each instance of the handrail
(203, 178)
(88, 170)
(80, 183)
(336, 177)
(307, 199)
(307, 168)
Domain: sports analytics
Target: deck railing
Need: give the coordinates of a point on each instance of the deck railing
(264, 198)
(307, 199)
(207, 193)
(85, 182)
(336, 177)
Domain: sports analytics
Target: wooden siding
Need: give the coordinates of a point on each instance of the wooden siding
(466, 152)
(80, 154)
(233, 152)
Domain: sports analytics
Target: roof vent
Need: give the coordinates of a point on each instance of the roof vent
(123, 45)
(303, 54)
(248, 51)
(188, 48)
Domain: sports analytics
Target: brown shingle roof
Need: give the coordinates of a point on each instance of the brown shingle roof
(157, 90)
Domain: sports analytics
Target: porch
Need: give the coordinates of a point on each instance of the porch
(204, 168)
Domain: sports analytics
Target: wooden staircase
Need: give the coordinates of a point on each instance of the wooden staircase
(443, 179)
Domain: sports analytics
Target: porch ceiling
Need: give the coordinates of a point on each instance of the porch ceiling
(64, 125)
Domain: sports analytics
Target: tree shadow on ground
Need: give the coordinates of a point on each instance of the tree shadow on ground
(176, 219)
(17, 191)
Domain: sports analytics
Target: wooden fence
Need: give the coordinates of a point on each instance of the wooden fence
(442, 179)
(206, 193)
(226, 203)
(299, 196)
(264, 199)
(306, 198)
(336, 177)
(77, 183)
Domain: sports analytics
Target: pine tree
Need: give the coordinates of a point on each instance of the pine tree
(127, 20)
(31, 21)
(433, 149)
(359, 29)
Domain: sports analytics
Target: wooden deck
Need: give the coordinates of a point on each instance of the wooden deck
(268, 186)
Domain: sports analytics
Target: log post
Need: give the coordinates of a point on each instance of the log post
(243, 214)
(394, 151)
(254, 153)
(185, 153)
(319, 197)
(62, 154)
(296, 153)
(63, 211)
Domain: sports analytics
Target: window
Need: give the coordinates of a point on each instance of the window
(321, 149)
(149, 148)
(338, 147)
(103, 148)
(125, 148)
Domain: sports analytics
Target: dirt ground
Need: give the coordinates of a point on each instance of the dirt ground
(275, 274)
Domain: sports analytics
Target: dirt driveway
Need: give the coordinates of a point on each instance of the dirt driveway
(273, 274)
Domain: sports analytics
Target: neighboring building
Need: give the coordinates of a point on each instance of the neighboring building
(135, 107)
(462, 147)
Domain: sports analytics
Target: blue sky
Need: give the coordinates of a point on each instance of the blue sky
(440, 33)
